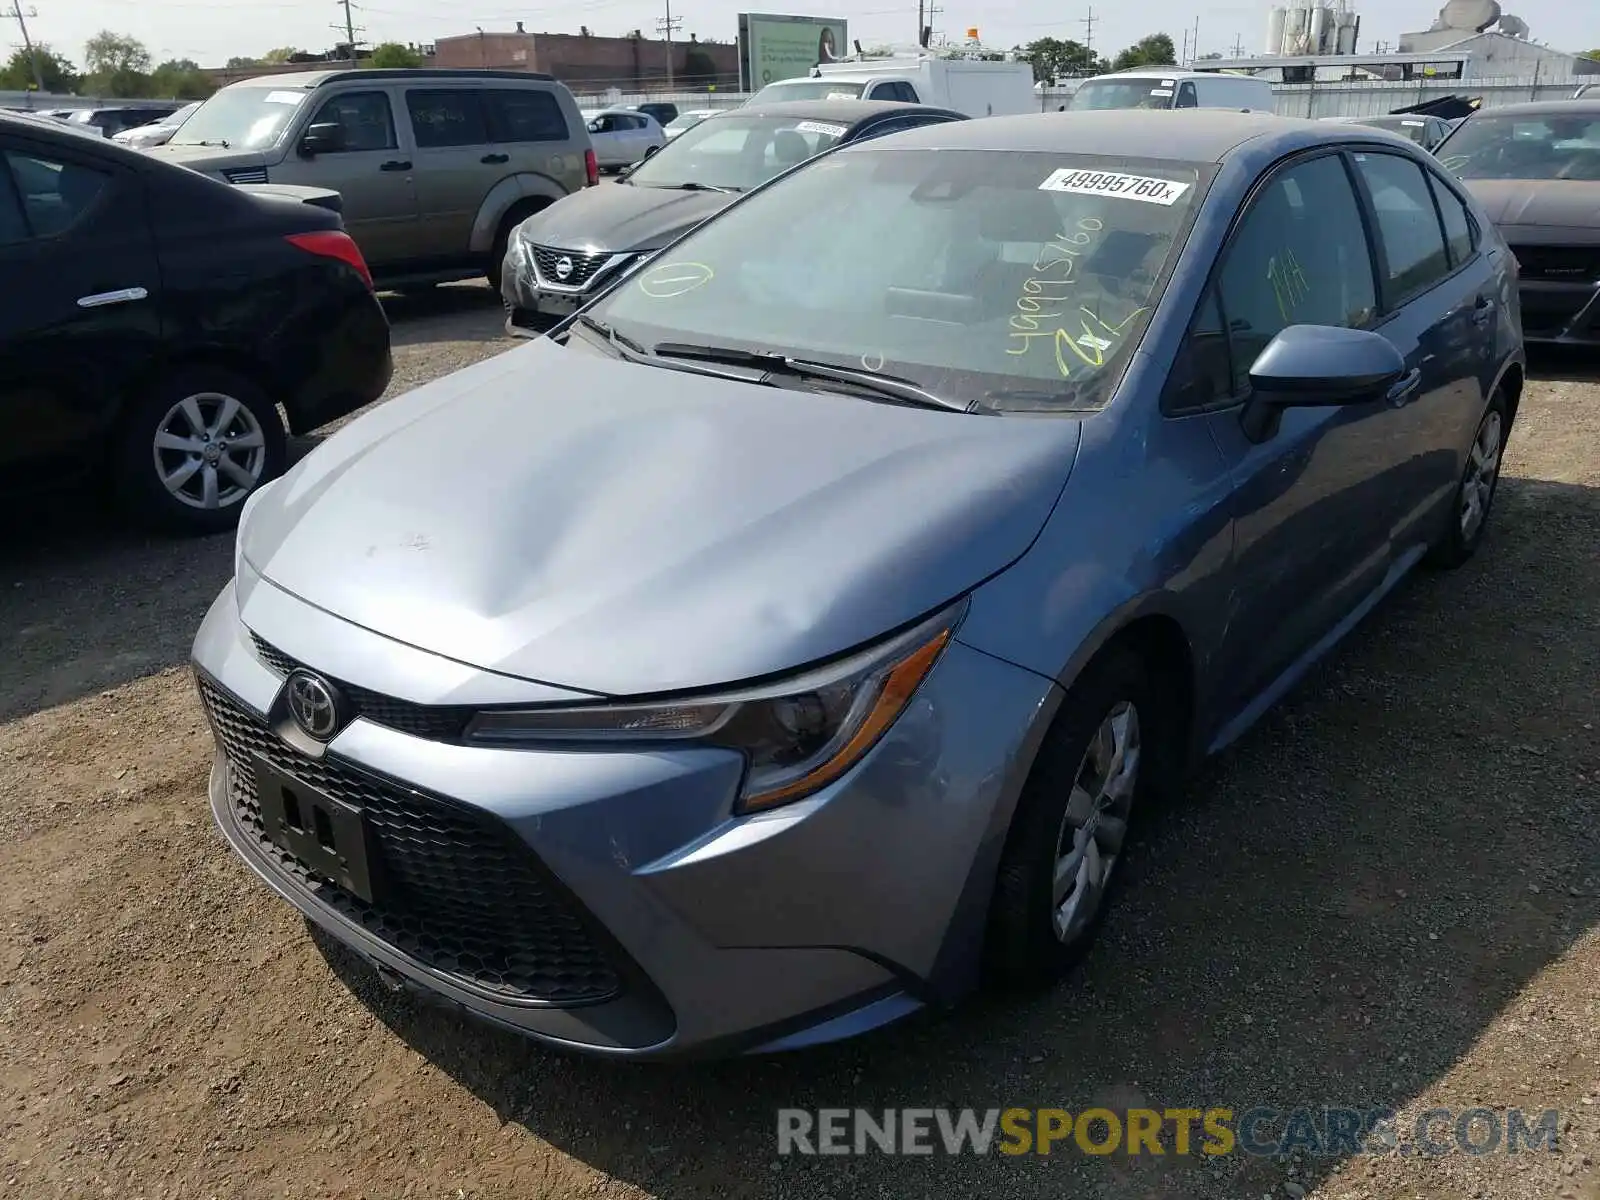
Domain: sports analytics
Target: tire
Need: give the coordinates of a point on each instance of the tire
(1025, 944)
(1474, 498)
(231, 408)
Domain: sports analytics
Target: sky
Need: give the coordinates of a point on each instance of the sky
(211, 33)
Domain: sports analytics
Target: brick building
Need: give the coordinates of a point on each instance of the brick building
(588, 63)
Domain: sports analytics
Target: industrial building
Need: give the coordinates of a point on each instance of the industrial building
(582, 60)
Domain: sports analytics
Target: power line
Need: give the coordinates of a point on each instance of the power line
(21, 19)
(666, 26)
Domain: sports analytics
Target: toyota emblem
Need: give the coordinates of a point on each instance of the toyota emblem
(313, 704)
(563, 267)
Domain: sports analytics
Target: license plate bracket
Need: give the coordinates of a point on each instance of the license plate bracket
(325, 833)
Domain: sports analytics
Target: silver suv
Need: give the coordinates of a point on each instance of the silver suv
(436, 167)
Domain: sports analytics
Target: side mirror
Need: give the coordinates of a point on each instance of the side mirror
(1316, 366)
(326, 137)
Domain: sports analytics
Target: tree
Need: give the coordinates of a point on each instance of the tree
(1215, 54)
(1054, 59)
(240, 60)
(58, 74)
(282, 54)
(181, 79)
(117, 65)
(1156, 50)
(393, 54)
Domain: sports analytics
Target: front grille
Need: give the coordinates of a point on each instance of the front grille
(435, 722)
(1559, 264)
(584, 266)
(462, 894)
(245, 174)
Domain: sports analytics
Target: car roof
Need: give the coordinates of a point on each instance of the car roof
(1184, 135)
(1544, 108)
(840, 112)
(31, 122)
(1162, 73)
(318, 78)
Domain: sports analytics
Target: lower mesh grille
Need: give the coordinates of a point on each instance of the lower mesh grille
(463, 895)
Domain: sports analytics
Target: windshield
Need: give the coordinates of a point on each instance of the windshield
(1123, 93)
(807, 89)
(1000, 279)
(1529, 147)
(1409, 127)
(736, 152)
(250, 118)
(686, 121)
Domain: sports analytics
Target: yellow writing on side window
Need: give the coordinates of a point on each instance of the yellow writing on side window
(1290, 286)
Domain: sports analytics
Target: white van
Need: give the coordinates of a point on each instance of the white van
(973, 86)
(1152, 87)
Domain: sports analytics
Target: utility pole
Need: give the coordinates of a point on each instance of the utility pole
(1088, 33)
(1183, 54)
(933, 11)
(668, 25)
(1238, 46)
(348, 29)
(1194, 43)
(919, 22)
(21, 18)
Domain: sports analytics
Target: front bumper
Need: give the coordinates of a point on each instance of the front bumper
(1560, 313)
(610, 902)
(534, 297)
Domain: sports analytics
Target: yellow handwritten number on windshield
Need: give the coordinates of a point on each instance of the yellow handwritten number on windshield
(674, 279)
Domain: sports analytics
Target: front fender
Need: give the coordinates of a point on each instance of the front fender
(511, 190)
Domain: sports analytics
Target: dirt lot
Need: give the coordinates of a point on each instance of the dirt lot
(1388, 894)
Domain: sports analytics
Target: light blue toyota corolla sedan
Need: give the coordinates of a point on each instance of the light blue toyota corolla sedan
(785, 643)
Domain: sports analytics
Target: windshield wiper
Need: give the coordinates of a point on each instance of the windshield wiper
(212, 142)
(624, 345)
(890, 386)
(690, 185)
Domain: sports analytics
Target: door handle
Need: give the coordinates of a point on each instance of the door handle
(396, 165)
(1405, 387)
(120, 296)
(495, 158)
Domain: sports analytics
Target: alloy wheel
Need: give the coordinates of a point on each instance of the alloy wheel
(1483, 467)
(209, 451)
(1095, 824)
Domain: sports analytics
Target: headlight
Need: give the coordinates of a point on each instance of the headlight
(797, 736)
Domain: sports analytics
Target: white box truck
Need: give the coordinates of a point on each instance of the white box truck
(974, 86)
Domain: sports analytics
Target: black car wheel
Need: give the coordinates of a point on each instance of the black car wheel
(195, 447)
(1100, 761)
(1469, 514)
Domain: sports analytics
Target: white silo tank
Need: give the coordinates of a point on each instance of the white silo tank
(1347, 33)
(1275, 20)
(1295, 20)
(1319, 29)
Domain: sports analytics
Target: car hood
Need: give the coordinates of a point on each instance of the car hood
(566, 518)
(621, 216)
(209, 158)
(1549, 202)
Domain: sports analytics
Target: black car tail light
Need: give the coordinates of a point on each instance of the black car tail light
(591, 169)
(332, 243)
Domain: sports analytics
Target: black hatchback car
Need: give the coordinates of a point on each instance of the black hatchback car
(153, 320)
(564, 255)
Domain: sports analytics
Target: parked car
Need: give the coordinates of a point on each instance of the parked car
(112, 121)
(1155, 87)
(661, 112)
(622, 137)
(157, 133)
(973, 86)
(435, 166)
(793, 633)
(688, 120)
(155, 319)
(1425, 131)
(573, 250)
(1535, 168)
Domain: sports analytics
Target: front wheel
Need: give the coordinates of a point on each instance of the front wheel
(1096, 766)
(1469, 515)
(195, 447)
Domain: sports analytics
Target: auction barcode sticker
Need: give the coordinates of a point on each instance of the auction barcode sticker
(821, 127)
(1114, 183)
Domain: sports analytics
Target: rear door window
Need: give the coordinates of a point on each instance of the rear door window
(1458, 231)
(1411, 245)
(55, 194)
(447, 117)
(525, 115)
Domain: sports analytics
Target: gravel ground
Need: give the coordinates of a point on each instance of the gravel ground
(1388, 894)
